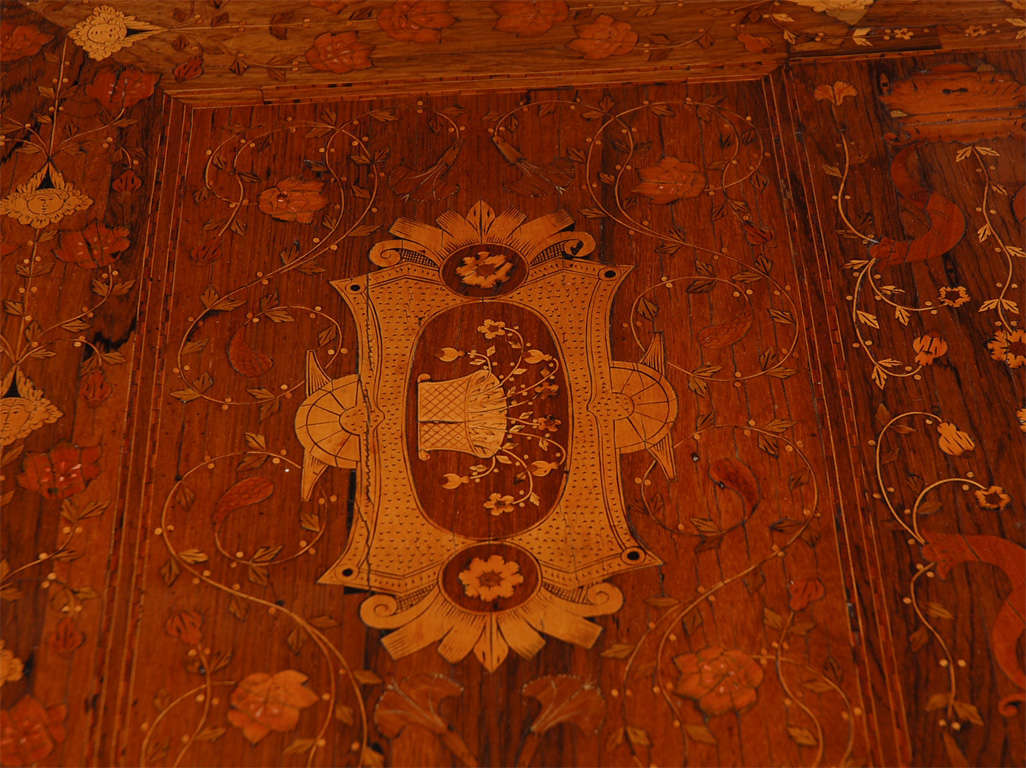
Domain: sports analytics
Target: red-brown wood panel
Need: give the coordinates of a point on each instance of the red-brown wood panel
(915, 177)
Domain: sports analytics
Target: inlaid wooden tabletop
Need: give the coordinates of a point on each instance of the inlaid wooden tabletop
(430, 383)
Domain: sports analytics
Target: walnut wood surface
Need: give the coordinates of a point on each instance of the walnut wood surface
(559, 421)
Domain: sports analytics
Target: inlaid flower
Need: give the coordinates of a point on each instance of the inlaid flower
(670, 180)
(67, 637)
(263, 703)
(126, 183)
(499, 504)
(20, 40)
(185, 626)
(543, 468)
(719, 680)
(23, 411)
(547, 389)
(547, 423)
(61, 472)
(44, 199)
(492, 328)
(118, 90)
(485, 270)
(11, 666)
(416, 21)
(451, 480)
(94, 246)
(952, 440)
(529, 18)
(189, 69)
(836, 93)
(1021, 416)
(108, 30)
(604, 37)
(993, 498)
(805, 591)
(491, 579)
(95, 389)
(29, 732)
(953, 295)
(342, 52)
(1009, 347)
(928, 348)
(293, 200)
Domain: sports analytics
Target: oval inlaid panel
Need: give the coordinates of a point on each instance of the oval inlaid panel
(488, 421)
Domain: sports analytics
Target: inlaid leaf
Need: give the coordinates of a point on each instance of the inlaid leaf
(699, 732)
(802, 736)
(617, 651)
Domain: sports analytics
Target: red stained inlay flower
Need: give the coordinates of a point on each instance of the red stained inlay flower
(805, 591)
(416, 21)
(993, 498)
(94, 246)
(719, 680)
(263, 703)
(62, 472)
(117, 91)
(604, 37)
(928, 348)
(207, 252)
(29, 732)
(529, 18)
(293, 200)
(20, 40)
(127, 182)
(670, 180)
(189, 69)
(95, 389)
(339, 53)
(185, 626)
(1009, 347)
(67, 637)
